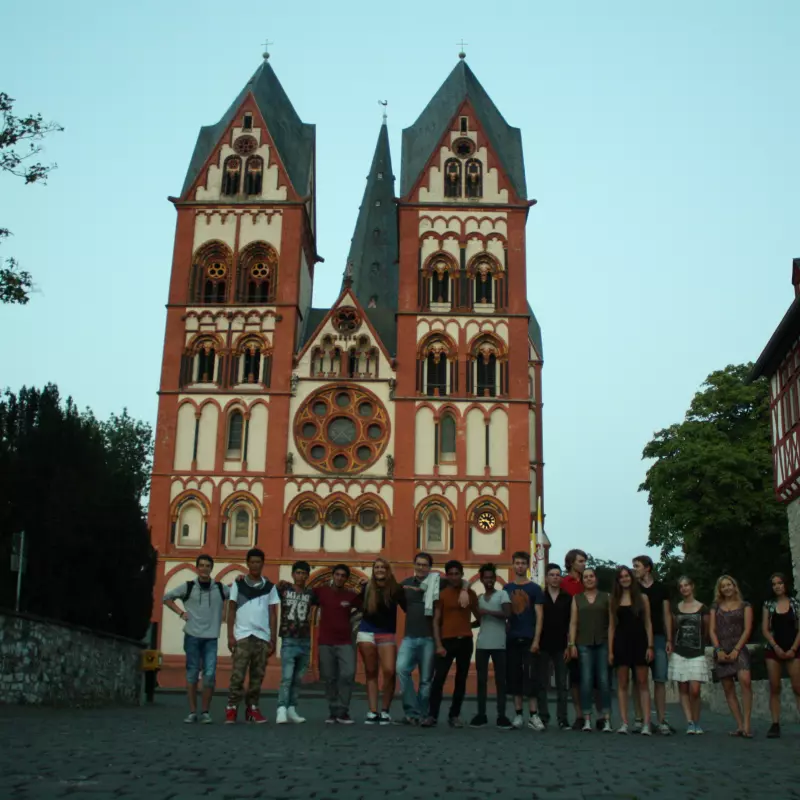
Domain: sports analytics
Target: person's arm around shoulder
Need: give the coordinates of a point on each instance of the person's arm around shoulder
(473, 603)
(505, 602)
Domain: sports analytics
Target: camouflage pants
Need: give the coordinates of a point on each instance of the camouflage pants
(249, 654)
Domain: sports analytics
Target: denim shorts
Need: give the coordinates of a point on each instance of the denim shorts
(659, 666)
(200, 653)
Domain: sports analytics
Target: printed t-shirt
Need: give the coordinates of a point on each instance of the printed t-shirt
(524, 596)
(492, 635)
(555, 622)
(296, 611)
(656, 594)
(689, 641)
(456, 621)
(336, 607)
(571, 585)
(252, 612)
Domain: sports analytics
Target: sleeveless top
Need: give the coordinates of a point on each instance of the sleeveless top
(782, 627)
(689, 639)
(592, 619)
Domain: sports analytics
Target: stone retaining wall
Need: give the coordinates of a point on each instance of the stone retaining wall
(43, 662)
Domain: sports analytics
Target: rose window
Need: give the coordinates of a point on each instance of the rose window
(245, 145)
(347, 320)
(216, 270)
(259, 270)
(341, 429)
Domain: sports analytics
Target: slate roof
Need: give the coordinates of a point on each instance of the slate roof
(535, 332)
(372, 261)
(294, 139)
(420, 140)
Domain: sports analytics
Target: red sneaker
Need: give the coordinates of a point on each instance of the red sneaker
(254, 715)
(230, 715)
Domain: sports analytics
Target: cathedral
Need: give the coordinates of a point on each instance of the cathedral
(402, 417)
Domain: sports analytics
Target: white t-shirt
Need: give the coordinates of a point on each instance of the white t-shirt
(252, 608)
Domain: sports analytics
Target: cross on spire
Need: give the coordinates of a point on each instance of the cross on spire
(461, 45)
(266, 46)
(383, 103)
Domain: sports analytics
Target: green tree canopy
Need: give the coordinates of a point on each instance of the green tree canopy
(713, 507)
(75, 486)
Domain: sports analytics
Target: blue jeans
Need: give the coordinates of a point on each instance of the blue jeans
(660, 663)
(200, 652)
(416, 652)
(295, 655)
(594, 669)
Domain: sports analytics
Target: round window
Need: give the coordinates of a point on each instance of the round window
(320, 409)
(364, 453)
(368, 518)
(342, 431)
(374, 431)
(309, 430)
(342, 400)
(337, 517)
(365, 410)
(340, 462)
(318, 452)
(307, 517)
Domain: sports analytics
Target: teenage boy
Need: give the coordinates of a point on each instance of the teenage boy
(252, 619)
(203, 603)
(523, 640)
(494, 608)
(417, 649)
(295, 632)
(452, 633)
(572, 584)
(661, 618)
(553, 654)
(337, 656)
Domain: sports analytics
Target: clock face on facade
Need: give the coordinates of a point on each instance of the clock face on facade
(487, 521)
(341, 429)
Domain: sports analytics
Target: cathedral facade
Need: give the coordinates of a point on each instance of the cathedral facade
(405, 417)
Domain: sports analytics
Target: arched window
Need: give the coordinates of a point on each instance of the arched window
(210, 273)
(251, 363)
(473, 179)
(231, 175)
(362, 359)
(241, 527)
(447, 438)
(190, 525)
(436, 371)
(436, 377)
(434, 528)
(486, 370)
(326, 359)
(235, 435)
(205, 362)
(253, 177)
(258, 272)
(452, 178)
(441, 282)
(484, 282)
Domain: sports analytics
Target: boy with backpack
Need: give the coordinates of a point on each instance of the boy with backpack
(203, 602)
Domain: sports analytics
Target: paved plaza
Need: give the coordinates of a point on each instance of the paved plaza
(148, 753)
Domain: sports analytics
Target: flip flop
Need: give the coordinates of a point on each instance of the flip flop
(737, 733)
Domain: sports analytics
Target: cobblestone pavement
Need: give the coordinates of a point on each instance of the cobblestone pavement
(148, 753)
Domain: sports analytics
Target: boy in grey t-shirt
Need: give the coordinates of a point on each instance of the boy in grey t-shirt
(494, 608)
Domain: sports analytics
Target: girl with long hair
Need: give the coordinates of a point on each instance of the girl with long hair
(630, 636)
(780, 624)
(376, 638)
(687, 663)
(730, 626)
(588, 640)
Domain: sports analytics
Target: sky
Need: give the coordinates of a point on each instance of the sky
(660, 140)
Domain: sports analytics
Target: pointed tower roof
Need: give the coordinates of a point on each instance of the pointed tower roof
(420, 140)
(372, 262)
(294, 139)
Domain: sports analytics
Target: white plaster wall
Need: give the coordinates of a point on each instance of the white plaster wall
(423, 438)
(368, 541)
(207, 438)
(498, 443)
(487, 543)
(262, 226)
(184, 438)
(337, 541)
(257, 439)
(214, 225)
(476, 442)
(307, 539)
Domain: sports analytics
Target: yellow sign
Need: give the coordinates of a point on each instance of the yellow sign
(151, 660)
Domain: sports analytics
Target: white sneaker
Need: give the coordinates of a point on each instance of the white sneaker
(190, 718)
(607, 727)
(645, 731)
(536, 723)
(623, 729)
(518, 721)
(587, 725)
(385, 718)
(637, 726)
(282, 718)
(291, 712)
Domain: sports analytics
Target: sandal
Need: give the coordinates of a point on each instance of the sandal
(739, 732)
(746, 735)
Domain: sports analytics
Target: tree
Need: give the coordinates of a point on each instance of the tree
(713, 508)
(75, 485)
(606, 571)
(20, 143)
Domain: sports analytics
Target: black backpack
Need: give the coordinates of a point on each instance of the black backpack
(190, 587)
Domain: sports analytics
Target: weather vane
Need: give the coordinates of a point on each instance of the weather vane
(266, 46)
(383, 103)
(461, 45)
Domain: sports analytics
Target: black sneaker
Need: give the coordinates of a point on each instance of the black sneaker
(578, 724)
(600, 724)
(345, 719)
(504, 723)
(774, 731)
(372, 718)
(332, 719)
(479, 721)
(563, 725)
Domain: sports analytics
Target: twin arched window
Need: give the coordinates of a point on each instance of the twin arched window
(232, 176)
(463, 179)
(480, 286)
(257, 274)
(211, 273)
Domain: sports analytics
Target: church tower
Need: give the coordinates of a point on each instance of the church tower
(404, 416)
(469, 347)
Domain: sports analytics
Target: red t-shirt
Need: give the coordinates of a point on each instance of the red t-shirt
(571, 586)
(335, 606)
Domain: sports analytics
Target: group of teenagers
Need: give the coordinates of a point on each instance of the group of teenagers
(569, 633)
